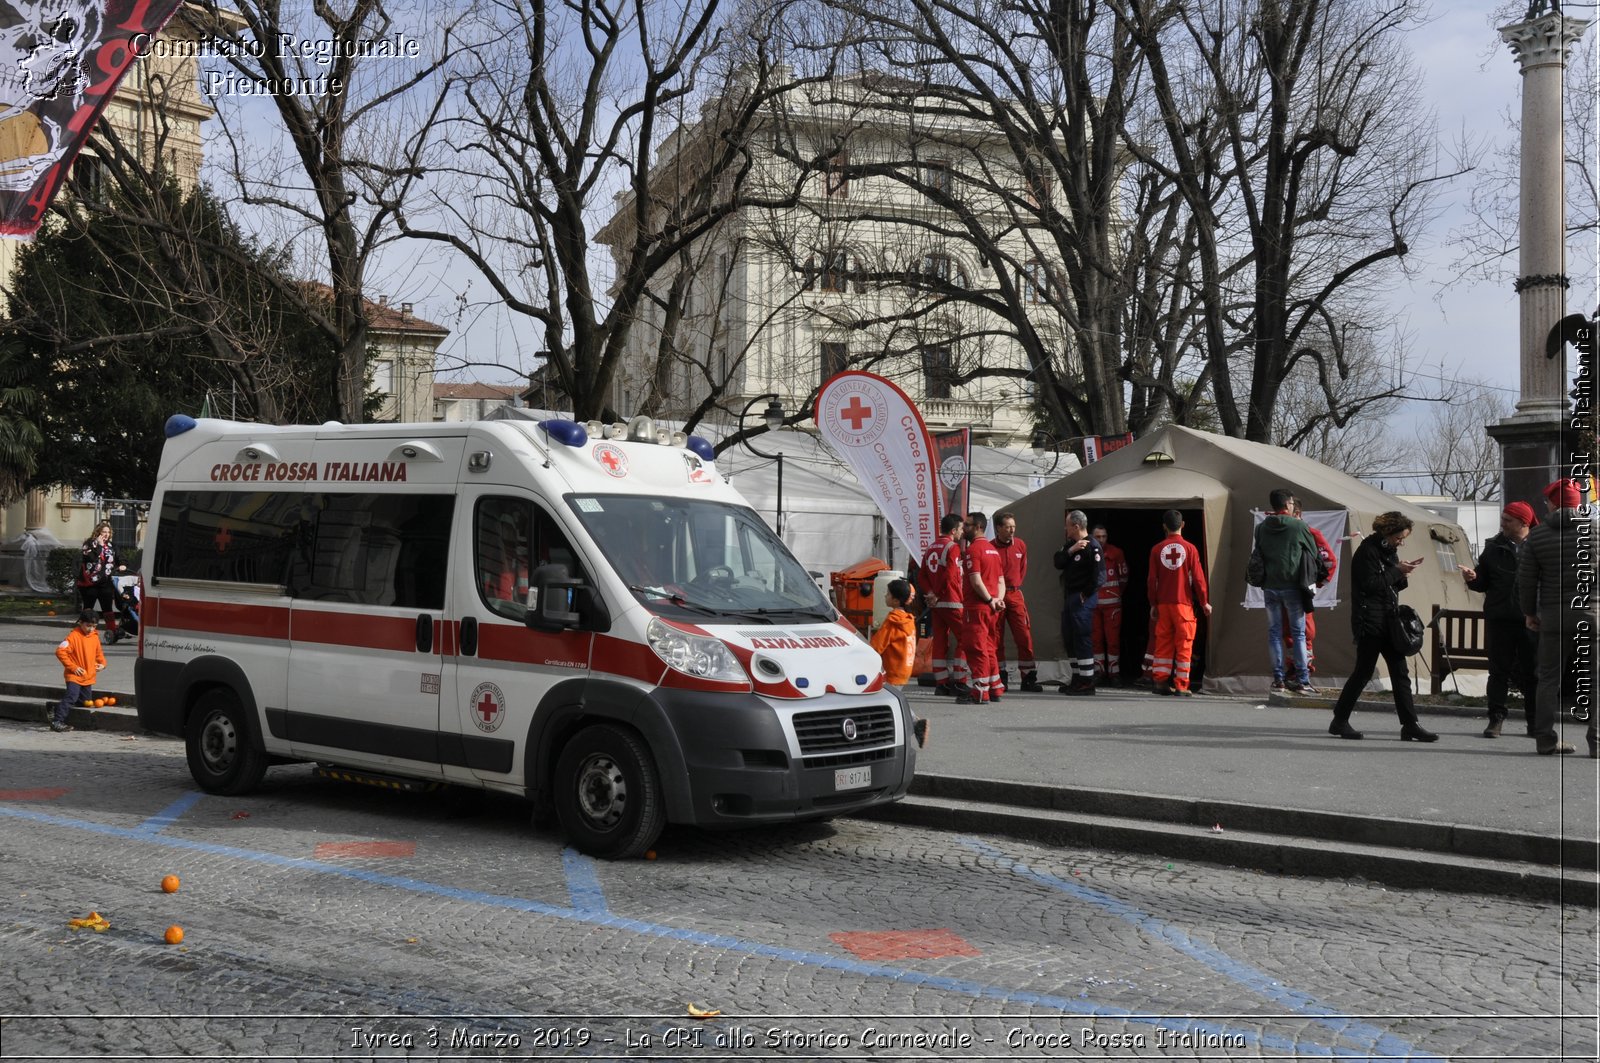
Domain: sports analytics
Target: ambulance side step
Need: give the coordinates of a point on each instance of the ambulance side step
(369, 778)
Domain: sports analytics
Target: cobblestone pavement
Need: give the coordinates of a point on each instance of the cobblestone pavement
(327, 921)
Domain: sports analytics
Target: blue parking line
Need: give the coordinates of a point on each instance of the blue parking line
(170, 815)
(1383, 1044)
(822, 961)
(583, 883)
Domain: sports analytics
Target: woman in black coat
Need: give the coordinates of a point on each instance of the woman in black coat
(1377, 575)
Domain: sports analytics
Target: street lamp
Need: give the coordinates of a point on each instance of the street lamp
(773, 415)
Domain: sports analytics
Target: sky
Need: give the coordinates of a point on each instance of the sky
(1468, 329)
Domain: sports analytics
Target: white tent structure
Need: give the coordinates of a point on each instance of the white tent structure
(829, 522)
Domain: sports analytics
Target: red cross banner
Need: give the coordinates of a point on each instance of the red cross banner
(879, 433)
(60, 64)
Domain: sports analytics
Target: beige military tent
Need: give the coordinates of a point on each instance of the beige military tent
(1219, 484)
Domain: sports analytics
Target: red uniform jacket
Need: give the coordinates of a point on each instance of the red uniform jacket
(1176, 577)
(943, 575)
(1116, 577)
(1013, 562)
(983, 559)
(1329, 557)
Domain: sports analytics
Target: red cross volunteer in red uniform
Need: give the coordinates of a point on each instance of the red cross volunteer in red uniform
(1014, 566)
(943, 585)
(1176, 585)
(1108, 610)
(986, 595)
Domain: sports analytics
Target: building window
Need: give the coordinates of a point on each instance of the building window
(1036, 183)
(836, 176)
(89, 180)
(835, 272)
(938, 371)
(942, 270)
(937, 179)
(834, 358)
(1038, 284)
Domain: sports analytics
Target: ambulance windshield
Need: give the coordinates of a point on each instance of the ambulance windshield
(692, 558)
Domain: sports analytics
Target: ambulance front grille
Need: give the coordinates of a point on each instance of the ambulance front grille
(824, 732)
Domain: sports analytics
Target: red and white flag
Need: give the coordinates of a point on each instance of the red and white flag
(879, 433)
(60, 64)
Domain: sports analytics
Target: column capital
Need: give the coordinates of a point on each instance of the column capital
(1543, 41)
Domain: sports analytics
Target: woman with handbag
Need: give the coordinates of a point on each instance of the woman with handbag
(1377, 575)
(96, 577)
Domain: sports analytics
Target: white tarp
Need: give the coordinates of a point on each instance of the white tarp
(1332, 523)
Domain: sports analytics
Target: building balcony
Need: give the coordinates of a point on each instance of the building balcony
(957, 413)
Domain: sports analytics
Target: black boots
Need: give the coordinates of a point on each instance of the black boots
(1031, 684)
(1342, 729)
(1493, 730)
(1413, 732)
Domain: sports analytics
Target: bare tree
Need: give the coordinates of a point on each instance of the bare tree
(576, 105)
(1330, 178)
(1457, 455)
(355, 105)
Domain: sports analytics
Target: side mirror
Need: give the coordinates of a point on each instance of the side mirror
(552, 599)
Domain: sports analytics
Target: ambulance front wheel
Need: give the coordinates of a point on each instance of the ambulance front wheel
(221, 756)
(608, 794)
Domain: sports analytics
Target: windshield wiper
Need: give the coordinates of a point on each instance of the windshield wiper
(676, 599)
(769, 614)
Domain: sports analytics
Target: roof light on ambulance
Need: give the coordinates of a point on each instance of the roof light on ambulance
(568, 433)
(178, 424)
(696, 655)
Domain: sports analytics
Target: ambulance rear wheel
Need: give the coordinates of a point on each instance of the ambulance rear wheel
(221, 756)
(608, 793)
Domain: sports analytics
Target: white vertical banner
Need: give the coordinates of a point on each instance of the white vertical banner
(879, 433)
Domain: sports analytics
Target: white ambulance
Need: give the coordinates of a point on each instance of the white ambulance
(585, 614)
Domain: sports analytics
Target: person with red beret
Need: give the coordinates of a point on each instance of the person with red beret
(1556, 589)
(1512, 647)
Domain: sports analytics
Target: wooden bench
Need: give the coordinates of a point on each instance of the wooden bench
(1458, 642)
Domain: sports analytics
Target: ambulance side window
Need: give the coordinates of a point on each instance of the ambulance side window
(514, 536)
(385, 550)
(227, 536)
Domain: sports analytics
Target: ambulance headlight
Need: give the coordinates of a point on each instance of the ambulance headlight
(696, 655)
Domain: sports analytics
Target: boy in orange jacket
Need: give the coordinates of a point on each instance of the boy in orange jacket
(896, 642)
(82, 658)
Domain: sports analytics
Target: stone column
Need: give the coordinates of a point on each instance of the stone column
(34, 518)
(1530, 438)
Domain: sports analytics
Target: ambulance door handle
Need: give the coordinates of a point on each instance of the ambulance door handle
(469, 636)
(424, 633)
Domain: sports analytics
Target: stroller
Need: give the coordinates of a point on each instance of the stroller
(128, 606)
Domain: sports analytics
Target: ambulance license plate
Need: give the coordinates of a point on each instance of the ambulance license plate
(852, 778)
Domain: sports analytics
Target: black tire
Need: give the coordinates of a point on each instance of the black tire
(608, 793)
(222, 757)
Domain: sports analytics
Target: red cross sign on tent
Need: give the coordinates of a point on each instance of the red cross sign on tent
(60, 63)
(879, 433)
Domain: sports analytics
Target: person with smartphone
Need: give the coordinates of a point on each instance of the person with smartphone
(1377, 576)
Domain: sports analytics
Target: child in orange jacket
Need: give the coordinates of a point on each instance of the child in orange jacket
(82, 658)
(896, 642)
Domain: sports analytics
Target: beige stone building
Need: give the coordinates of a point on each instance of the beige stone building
(779, 300)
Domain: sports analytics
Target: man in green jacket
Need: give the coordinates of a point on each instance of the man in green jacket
(1285, 542)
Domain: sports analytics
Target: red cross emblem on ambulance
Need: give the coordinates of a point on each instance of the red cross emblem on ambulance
(487, 707)
(611, 459)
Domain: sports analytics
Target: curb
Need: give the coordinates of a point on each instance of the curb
(1402, 853)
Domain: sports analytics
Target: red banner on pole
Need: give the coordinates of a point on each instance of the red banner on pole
(954, 452)
(60, 64)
